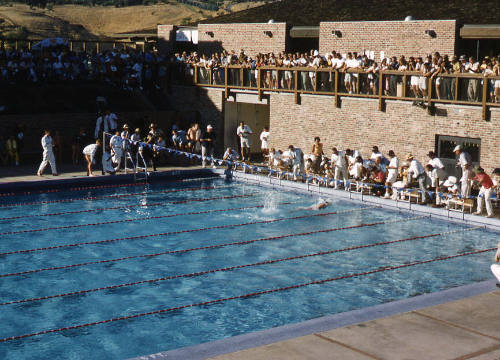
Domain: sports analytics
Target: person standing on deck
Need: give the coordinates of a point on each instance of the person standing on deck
(495, 268)
(48, 155)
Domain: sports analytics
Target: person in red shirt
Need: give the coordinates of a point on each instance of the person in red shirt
(486, 184)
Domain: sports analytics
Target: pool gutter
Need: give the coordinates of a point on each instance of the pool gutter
(325, 323)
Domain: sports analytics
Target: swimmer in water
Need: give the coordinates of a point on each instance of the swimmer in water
(321, 204)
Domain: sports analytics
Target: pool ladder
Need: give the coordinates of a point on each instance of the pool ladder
(140, 172)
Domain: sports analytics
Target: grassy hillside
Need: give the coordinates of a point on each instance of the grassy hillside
(79, 21)
(312, 12)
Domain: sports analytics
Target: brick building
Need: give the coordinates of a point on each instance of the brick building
(253, 38)
(389, 38)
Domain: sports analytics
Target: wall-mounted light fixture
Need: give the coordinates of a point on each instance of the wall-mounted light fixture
(268, 33)
(337, 33)
(430, 33)
(210, 33)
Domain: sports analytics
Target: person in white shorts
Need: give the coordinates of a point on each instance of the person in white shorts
(244, 132)
(116, 145)
(392, 174)
(465, 162)
(495, 268)
(48, 155)
(339, 161)
(89, 152)
(438, 173)
(264, 143)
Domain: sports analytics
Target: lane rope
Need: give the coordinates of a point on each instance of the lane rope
(244, 296)
(96, 187)
(26, 272)
(141, 236)
(115, 196)
(230, 268)
(114, 208)
(126, 220)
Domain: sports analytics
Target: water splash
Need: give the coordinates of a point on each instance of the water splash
(271, 203)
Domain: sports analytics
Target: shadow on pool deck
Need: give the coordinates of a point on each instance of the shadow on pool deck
(66, 171)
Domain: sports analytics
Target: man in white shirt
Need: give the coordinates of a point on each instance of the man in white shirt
(101, 121)
(417, 172)
(116, 145)
(112, 120)
(392, 174)
(473, 67)
(296, 156)
(244, 132)
(48, 155)
(264, 142)
(339, 162)
(350, 79)
(465, 162)
(438, 173)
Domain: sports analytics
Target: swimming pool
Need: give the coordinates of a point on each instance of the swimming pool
(181, 263)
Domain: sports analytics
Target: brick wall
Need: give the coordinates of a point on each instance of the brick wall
(166, 37)
(394, 38)
(249, 37)
(202, 105)
(359, 125)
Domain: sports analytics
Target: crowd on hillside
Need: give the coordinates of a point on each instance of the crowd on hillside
(127, 68)
(432, 66)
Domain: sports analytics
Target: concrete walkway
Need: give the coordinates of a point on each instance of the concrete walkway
(463, 329)
(66, 171)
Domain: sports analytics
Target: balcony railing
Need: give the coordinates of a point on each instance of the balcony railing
(461, 89)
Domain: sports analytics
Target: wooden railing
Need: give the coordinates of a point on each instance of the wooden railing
(460, 89)
(84, 45)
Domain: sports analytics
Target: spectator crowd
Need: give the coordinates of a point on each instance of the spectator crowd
(359, 72)
(127, 68)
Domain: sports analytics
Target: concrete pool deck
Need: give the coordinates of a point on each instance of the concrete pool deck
(463, 329)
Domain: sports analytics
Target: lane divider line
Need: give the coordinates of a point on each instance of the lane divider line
(243, 296)
(107, 208)
(230, 268)
(114, 196)
(183, 250)
(125, 220)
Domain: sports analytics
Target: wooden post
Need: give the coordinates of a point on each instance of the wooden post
(429, 93)
(485, 97)
(29, 44)
(17, 45)
(98, 46)
(357, 83)
(196, 74)
(296, 86)
(336, 89)
(380, 91)
(404, 85)
(226, 90)
(84, 46)
(259, 84)
(456, 88)
(242, 81)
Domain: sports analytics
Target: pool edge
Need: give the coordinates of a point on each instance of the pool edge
(324, 323)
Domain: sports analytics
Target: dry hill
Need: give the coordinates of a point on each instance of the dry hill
(77, 21)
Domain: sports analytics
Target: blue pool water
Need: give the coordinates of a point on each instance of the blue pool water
(194, 325)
